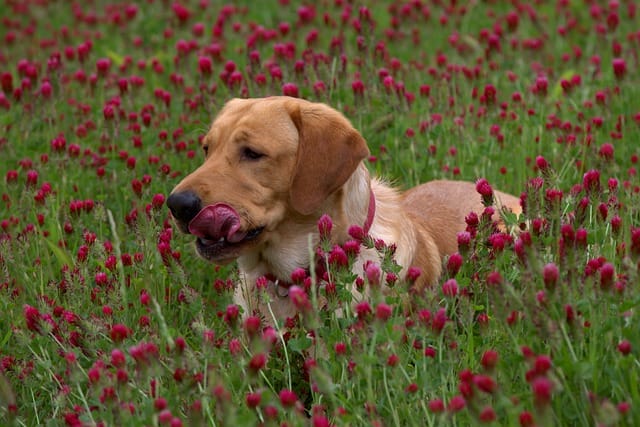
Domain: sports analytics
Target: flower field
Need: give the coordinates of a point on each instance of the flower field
(108, 317)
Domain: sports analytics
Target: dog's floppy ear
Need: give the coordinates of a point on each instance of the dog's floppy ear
(329, 151)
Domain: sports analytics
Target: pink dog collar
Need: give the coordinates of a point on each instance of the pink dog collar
(371, 213)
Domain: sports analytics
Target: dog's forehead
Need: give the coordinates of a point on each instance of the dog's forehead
(256, 107)
(262, 118)
(252, 114)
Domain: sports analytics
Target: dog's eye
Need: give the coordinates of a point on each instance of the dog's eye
(205, 148)
(249, 154)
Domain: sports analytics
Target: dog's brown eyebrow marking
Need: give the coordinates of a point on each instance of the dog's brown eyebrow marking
(240, 137)
(208, 140)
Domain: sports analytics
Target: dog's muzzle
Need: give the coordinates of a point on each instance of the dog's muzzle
(218, 227)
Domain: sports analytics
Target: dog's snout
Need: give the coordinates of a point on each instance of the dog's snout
(184, 206)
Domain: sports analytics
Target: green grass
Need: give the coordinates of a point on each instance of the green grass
(90, 264)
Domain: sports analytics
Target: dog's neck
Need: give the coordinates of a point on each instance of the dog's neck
(355, 204)
(359, 200)
(384, 215)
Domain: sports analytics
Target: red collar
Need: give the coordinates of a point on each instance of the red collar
(371, 213)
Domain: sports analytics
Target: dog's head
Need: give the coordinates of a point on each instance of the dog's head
(266, 160)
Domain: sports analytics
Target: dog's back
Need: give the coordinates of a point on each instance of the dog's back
(441, 206)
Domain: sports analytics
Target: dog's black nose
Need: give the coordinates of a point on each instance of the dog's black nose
(184, 206)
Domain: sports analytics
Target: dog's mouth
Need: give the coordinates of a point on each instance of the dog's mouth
(220, 235)
(222, 250)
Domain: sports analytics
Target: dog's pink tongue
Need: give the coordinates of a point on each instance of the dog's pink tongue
(217, 221)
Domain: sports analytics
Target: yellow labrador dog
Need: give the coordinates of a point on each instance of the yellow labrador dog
(273, 166)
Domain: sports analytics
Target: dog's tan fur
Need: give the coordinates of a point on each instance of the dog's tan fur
(312, 164)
